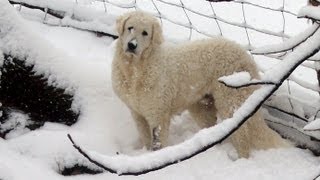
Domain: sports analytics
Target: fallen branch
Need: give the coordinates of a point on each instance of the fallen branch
(207, 138)
(88, 157)
(71, 18)
(57, 14)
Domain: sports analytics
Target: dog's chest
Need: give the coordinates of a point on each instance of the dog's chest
(135, 86)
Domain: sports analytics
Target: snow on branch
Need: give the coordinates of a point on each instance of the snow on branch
(310, 12)
(207, 138)
(242, 79)
(313, 126)
(55, 13)
(79, 16)
(288, 44)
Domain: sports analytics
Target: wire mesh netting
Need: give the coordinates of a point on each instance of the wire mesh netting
(252, 23)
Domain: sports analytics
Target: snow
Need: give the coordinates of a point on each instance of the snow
(91, 18)
(314, 125)
(310, 11)
(317, 65)
(81, 61)
(16, 121)
(288, 44)
(240, 79)
(236, 79)
(79, 11)
(292, 58)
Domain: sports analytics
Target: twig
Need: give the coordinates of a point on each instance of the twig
(288, 113)
(315, 178)
(88, 157)
(247, 84)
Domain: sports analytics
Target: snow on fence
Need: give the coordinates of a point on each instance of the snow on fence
(288, 110)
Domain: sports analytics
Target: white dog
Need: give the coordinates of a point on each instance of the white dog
(157, 82)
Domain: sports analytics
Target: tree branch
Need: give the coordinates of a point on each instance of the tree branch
(88, 157)
(61, 15)
(291, 43)
(247, 84)
(57, 14)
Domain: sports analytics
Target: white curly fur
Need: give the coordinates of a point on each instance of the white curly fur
(157, 81)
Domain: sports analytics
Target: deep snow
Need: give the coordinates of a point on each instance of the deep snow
(106, 126)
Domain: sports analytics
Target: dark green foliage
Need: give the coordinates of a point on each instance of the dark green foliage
(79, 169)
(21, 89)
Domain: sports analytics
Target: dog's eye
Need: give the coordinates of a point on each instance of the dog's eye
(144, 33)
(130, 28)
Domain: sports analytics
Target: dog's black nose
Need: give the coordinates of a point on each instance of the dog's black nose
(132, 46)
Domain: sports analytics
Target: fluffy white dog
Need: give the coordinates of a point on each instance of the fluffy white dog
(157, 82)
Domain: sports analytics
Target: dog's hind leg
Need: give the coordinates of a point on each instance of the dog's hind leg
(204, 112)
(253, 134)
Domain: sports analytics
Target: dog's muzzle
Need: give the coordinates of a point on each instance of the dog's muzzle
(132, 46)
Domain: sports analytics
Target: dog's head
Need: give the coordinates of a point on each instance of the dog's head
(138, 32)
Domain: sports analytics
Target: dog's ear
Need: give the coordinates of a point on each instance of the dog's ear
(121, 21)
(157, 37)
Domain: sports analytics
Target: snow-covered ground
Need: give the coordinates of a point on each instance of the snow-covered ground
(105, 125)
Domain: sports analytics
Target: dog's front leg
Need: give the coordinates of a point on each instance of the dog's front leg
(143, 128)
(159, 133)
(156, 142)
